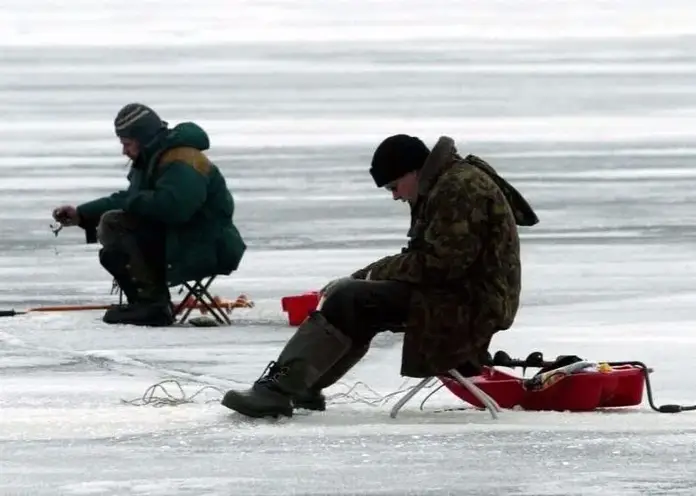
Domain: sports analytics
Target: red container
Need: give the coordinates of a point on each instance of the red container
(629, 387)
(577, 392)
(505, 389)
(298, 307)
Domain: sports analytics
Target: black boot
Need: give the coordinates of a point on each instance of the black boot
(313, 398)
(149, 300)
(152, 307)
(314, 349)
(142, 313)
(115, 263)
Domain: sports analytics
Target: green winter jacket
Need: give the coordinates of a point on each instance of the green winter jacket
(174, 183)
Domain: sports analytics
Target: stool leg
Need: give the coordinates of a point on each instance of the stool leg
(484, 398)
(198, 291)
(187, 311)
(407, 397)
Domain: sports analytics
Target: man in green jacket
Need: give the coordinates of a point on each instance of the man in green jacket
(174, 222)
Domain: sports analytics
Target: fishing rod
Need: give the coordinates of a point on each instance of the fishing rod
(227, 305)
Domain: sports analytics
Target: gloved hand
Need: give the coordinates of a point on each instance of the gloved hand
(67, 215)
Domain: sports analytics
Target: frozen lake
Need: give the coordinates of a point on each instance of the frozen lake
(589, 110)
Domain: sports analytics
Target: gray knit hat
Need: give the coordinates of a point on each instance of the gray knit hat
(139, 122)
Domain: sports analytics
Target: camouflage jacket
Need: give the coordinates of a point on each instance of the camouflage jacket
(462, 260)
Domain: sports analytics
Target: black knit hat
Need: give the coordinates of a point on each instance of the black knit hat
(396, 156)
(139, 122)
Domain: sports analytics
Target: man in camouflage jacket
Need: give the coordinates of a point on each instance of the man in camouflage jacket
(449, 291)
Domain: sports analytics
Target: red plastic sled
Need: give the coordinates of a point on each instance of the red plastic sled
(580, 391)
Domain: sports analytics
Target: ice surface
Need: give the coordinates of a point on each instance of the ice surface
(588, 108)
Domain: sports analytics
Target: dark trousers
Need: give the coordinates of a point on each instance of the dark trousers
(133, 252)
(361, 309)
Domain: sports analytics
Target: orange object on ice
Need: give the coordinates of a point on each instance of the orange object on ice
(242, 301)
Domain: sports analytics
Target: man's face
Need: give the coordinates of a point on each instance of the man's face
(131, 149)
(405, 188)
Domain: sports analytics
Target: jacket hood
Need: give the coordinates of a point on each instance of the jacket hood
(187, 134)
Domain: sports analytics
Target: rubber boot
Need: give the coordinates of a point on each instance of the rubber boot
(313, 398)
(143, 313)
(115, 263)
(152, 308)
(310, 353)
(149, 300)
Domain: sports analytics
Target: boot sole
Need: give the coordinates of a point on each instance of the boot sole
(310, 406)
(255, 412)
(153, 323)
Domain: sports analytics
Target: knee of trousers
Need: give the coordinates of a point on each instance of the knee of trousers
(113, 259)
(111, 227)
(343, 304)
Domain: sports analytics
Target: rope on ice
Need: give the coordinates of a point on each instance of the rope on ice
(158, 395)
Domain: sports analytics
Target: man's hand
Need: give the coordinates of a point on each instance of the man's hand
(67, 215)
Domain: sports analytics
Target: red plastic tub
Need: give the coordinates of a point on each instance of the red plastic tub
(298, 307)
(578, 392)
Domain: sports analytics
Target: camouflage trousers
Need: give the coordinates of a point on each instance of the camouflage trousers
(360, 309)
(133, 253)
